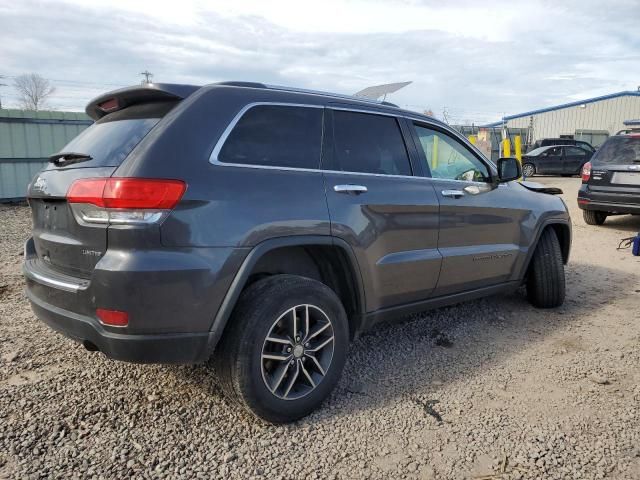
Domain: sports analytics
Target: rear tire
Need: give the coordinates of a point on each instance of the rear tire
(528, 170)
(594, 217)
(545, 280)
(283, 380)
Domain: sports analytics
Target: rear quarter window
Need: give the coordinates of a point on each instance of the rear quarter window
(275, 136)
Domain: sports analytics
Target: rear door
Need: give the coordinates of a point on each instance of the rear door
(376, 204)
(479, 224)
(616, 169)
(62, 243)
(574, 158)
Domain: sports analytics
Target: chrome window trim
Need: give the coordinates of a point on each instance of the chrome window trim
(359, 110)
(213, 158)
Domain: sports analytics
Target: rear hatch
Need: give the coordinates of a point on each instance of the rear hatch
(616, 169)
(62, 242)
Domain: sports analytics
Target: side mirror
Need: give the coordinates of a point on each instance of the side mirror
(509, 169)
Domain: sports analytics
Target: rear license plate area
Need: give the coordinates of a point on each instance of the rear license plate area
(626, 178)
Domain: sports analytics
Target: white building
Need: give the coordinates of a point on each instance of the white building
(592, 120)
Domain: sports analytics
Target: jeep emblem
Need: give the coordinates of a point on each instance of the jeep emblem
(40, 184)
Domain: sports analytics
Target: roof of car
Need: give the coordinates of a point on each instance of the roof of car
(165, 91)
(547, 147)
(337, 96)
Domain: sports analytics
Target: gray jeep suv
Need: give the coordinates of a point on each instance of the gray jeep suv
(264, 227)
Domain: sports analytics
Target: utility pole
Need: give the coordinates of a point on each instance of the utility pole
(147, 76)
(445, 115)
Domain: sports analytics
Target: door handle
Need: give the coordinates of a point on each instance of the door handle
(351, 189)
(452, 193)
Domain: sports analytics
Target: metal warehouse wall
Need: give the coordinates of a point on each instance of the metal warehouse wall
(605, 115)
(27, 139)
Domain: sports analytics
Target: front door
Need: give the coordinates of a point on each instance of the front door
(479, 223)
(387, 215)
(550, 162)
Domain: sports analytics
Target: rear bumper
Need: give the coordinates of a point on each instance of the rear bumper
(165, 348)
(171, 297)
(608, 202)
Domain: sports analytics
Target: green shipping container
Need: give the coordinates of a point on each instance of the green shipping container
(27, 139)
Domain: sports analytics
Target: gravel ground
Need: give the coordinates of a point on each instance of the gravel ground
(492, 389)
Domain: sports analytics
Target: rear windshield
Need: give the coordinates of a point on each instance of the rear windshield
(112, 138)
(618, 151)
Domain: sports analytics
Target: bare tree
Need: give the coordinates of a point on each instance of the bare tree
(33, 91)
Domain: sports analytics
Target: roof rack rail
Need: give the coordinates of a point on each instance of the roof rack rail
(304, 90)
(328, 94)
(234, 83)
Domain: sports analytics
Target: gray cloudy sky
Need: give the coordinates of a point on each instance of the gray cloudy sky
(476, 59)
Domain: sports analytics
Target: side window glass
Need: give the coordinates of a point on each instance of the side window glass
(369, 143)
(575, 151)
(448, 158)
(276, 136)
(554, 152)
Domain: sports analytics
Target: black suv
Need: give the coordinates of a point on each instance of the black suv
(546, 142)
(611, 180)
(266, 227)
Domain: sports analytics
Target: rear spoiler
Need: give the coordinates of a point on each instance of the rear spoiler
(150, 92)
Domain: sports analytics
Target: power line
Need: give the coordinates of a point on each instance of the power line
(78, 82)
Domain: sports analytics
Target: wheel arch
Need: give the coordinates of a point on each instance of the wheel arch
(324, 258)
(562, 229)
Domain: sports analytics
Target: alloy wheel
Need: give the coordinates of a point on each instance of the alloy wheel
(528, 170)
(297, 352)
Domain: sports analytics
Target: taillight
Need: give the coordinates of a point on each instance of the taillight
(113, 318)
(586, 172)
(109, 106)
(124, 200)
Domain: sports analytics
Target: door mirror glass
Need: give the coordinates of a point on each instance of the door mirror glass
(509, 169)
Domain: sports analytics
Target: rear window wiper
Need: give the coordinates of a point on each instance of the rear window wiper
(66, 158)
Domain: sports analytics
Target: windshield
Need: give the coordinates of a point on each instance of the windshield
(622, 150)
(110, 140)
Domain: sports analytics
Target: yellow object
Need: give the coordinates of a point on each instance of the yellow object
(473, 139)
(517, 147)
(434, 153)
(506, 148)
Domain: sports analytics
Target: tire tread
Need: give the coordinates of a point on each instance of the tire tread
(546, 280)
(594, 217)
(232, 360)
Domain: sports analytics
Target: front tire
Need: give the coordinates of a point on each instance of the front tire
(594, 217)
(528, 170)
(545, 280)
(284, 348)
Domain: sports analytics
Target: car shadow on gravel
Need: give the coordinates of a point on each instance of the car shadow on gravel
(417, 355)
(413, 357)
(627, 223)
